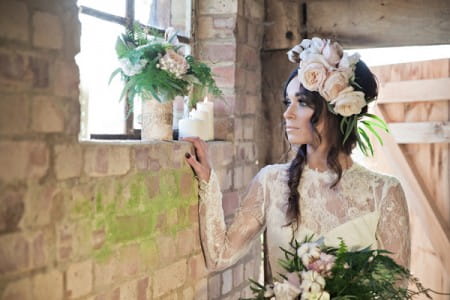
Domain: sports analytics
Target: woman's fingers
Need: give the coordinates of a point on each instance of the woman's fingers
(200, 148)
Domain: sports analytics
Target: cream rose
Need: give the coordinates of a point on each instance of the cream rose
(312, 75)
(332, 52)
(335, 83)
(349, 102)
(286, 291)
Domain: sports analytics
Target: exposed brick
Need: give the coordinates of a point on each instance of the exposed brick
(46, 115)
(170, 278)
(224, 75)
(18, 289)
(11, 209)
(79, 279)
(188, 294)
(14, 70)
(68, 161)
(215, 52)
(214, 286)
(39, 67)
(13, 114)
(185, 242)
(201, 290)
(166, 249)
(225, 178)
(248, 58)
(98, 238)
(66, 79)
(223, 128)
(40, 252)
(38, 205)
(112, 294)
(72, 33)
(218, 7)
(230, 203)
(238, 274)
(47, 31)
(224, 107)
(128, 290)
(143, 289)
(14, 253)
(238, 129)
(227, 281)
(106, 160)
(14, 20)
(187, 184)
(253, 86)
(220, 154)
(48, 286)
(22, 160)
(216, 27)
(158, 156)
(241, 29)
(249, 126)
(104, 273)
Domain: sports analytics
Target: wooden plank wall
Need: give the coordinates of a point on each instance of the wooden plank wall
(430, 162)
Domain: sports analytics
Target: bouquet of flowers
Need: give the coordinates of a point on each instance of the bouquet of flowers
(317, 272)
(153, 65)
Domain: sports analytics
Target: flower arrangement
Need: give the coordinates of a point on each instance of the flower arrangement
(317, 272)
(325, 68)
(152, 65)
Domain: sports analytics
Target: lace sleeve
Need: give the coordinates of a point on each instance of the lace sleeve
(222, 247)
(393, 227)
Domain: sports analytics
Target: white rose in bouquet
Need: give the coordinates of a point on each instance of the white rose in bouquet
(312, 75)
(285, 290)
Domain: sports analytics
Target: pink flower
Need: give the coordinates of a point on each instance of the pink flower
(332, 52)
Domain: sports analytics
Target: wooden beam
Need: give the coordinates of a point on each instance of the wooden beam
(415, 91)
(420, 132)
(436, 229)
(368, 23)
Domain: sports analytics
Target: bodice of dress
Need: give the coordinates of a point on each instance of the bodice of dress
(365, 209)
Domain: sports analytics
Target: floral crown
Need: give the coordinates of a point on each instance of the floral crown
(325, 68)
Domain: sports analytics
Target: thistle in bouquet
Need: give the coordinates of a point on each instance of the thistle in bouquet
(314, 271)
(154, 66)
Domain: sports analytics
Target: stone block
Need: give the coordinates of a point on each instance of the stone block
(79, 279)
(224, 107)
(23, 160)
(227, 281)
(104, 160)
(14, 70)
(68, 161)
(14, 253)
(238, 178)
(42, 247)
(216, 27)
(39, 67)
(170, 278)
(39, 201)
(220, 154)
(72, 33)
(188, 293)
(14, 20)
(253, 86)
(197, 267)
(14, 114)
(185, 242)
(249, 126)
(241, 29)
(217, 52)
(104, 273)
(47, 31)
(155, 157)
(12, 208)
(225, 178)
(238, 129)
(128, 290)
(201, 289)
(66, 78)
(255, 35)
(218, 7)
(47, 116)
(18, 289)
(143, 292)
(248, 58)
(167, 249)
(225, 75)
(48, 285)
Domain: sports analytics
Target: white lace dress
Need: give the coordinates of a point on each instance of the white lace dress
(365, 209)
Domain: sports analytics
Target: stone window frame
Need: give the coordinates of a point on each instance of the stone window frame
(127, 22)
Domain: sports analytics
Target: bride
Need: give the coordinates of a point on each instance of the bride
(322, 191)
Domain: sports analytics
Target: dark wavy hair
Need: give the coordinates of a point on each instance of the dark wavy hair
(367, 83)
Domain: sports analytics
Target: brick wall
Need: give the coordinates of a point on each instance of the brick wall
(114, 220)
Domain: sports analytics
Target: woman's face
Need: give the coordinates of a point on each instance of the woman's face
(298, 116)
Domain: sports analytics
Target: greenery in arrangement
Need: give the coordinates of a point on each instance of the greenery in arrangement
(314, 271)
(152, 66)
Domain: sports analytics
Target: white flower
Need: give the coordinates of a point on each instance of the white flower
(333, 52)
(305, 43)
(269, 291)
(317, 45)
(349, 61)
(294, 53)
(322, 295)
(285, 291)
(130, 69)
(349, 102)
(174, 63)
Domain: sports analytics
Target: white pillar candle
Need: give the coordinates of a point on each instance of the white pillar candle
(190, 127)
(208, 106)
(201, 115)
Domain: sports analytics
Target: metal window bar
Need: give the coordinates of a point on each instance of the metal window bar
(127, 21)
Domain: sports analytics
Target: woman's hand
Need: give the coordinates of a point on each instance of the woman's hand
(199, 162)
